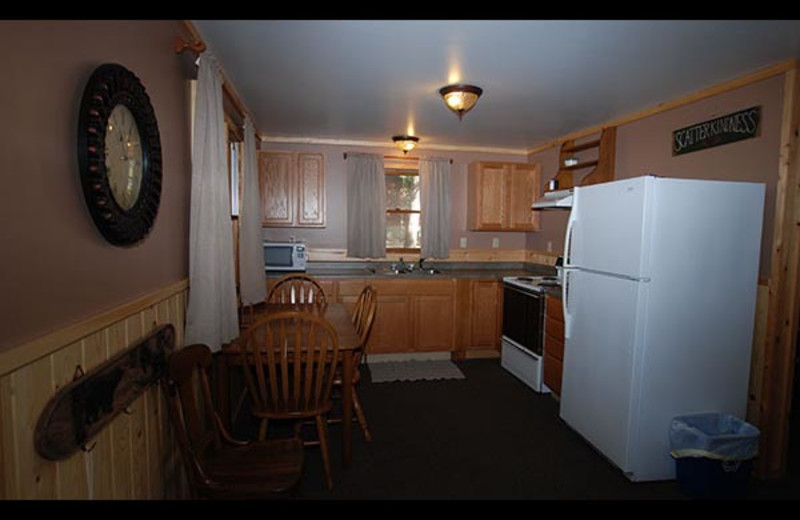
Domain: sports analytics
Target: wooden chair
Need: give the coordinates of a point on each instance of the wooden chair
(296, 288)
(363, 316)
(219, 466)
(289, 360)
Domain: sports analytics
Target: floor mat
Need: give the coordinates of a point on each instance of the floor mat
(413, 370)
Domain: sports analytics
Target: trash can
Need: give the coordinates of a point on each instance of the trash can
(713, 454)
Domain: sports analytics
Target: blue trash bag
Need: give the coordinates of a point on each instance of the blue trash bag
(714, 436)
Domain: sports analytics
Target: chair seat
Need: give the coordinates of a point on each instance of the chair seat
(256, 468)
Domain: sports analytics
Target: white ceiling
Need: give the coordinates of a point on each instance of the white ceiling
(367, 80)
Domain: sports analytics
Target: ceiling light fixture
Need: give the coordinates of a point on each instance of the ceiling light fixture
(405, 142)
(460, 98)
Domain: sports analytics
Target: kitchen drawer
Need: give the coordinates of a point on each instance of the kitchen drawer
(552, 374)
(553, 308)
(554, 346)
(554, 327)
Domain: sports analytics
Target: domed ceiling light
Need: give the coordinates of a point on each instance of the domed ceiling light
(406, 143)
(460, 98)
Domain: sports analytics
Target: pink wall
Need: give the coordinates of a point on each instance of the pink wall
(644, 146)
(334, 235)
(56, 267)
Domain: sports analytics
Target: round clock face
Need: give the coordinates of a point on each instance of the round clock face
(119, 155)
(123, 157)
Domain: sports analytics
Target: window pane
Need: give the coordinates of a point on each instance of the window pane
(402, 192)
(402, 230)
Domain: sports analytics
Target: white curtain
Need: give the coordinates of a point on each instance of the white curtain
(252, 280)
(434, 179)
(211, 316)
(366, 206)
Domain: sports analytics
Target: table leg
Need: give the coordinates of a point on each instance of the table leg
(347, 406)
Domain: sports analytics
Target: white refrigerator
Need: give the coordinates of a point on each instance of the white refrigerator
(659, 293)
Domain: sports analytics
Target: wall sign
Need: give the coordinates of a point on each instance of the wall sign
(714, 132)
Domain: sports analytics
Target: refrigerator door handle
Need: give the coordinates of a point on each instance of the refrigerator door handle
(565, 305)
(571, 224)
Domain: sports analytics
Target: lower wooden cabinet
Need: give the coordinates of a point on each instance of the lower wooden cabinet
(553, 344)
(458, 315)
(482, 317)
(412, 315)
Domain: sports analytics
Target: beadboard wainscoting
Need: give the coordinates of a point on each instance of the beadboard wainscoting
(136, 455)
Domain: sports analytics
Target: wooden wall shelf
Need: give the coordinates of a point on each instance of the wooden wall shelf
(603, 164)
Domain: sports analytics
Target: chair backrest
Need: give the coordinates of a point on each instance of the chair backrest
(289, 360)
(191, 408)
(364, 313)
(296, 288)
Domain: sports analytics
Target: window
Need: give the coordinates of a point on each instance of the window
(403, 225)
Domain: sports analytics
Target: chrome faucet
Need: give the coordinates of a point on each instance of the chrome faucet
(421, 267)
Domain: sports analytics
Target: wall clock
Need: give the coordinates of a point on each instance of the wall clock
(119, 155)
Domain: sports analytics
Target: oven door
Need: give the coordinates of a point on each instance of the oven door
(523, 318)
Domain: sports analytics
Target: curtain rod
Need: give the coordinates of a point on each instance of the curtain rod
(398, 157)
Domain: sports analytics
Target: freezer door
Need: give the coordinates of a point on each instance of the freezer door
(598, 360)
(605, 231)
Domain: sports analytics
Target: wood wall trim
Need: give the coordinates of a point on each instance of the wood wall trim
(30, 351)
(781, 333)
(456, 255)
(760, 75)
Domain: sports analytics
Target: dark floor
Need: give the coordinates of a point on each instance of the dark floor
(487, 437)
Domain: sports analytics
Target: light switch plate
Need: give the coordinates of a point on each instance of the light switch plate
(463, 242)
(495, 243)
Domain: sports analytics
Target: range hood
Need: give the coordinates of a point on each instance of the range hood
(559, 199)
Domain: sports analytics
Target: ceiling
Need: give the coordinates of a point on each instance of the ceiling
(363, 81)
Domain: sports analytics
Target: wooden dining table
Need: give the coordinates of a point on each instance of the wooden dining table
(339, 317)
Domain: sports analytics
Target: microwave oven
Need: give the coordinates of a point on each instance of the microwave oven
(284, 256)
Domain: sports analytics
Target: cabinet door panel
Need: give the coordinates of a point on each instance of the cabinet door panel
(390, 330)
(311, 190)
(434, 322)
(524, 182)
(488, 196)
(484, 306)
(275, 172)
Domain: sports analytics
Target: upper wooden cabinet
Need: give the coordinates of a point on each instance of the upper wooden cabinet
(500, 196)
(292, 189)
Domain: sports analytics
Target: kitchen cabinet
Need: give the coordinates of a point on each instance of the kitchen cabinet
(553, 344)
(500, 196)
(292, 189)
(485, 312)
(411, 315)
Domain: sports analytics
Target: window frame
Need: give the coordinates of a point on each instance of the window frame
(407, 171)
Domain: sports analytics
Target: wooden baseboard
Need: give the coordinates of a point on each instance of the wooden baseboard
(481, 354)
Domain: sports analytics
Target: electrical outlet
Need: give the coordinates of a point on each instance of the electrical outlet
(495, 243)
(549, 246)
(463, 242)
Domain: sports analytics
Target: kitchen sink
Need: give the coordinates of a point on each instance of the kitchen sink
(428, 271)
